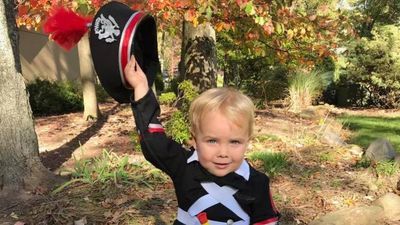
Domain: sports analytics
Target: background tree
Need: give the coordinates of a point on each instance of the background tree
(368, 65)
(199, 57)
(368, 13)
(88, 79)
(20, 165)
(31, 15)
(372, 68)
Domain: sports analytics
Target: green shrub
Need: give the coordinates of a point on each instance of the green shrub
(167, 98)
(177, 127)
(373, 65)
(188, 92)
(258, 78)
(273, 162)
(48, 98)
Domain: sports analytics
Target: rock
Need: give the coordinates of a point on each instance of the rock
(366, 215)
(332, 138)
(397, 159)
(308, 114)
(356, 150)
(390, 203)
(315, 112)
(380, 150)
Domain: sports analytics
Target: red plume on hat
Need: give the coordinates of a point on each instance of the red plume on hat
(66, 27)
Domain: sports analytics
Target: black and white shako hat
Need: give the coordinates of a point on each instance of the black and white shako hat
(116, 33)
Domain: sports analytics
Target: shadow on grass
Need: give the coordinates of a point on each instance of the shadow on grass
(55, 158)
(367, 129)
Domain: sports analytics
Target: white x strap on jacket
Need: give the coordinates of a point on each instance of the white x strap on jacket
(216, 194)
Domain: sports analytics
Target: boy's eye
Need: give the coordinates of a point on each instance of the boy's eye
(212, 141)
(235, 142)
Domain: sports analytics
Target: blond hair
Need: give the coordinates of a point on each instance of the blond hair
(237, 107)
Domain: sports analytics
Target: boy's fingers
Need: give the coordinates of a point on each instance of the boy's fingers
(130, 61)
(133, 59)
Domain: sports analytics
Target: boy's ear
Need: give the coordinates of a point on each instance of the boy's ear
(193, 140)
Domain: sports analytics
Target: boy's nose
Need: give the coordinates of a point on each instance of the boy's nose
(223, 151)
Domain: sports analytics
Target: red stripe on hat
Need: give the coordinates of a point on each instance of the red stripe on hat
(126, 43)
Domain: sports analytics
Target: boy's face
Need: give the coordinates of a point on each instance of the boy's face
(220, 144)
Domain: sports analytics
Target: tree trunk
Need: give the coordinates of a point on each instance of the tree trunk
(198, 58)
(91, 108)
(20, 165)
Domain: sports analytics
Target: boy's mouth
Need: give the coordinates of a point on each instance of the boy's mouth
(221, 165)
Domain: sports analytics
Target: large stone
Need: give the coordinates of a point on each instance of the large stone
(380, 150)
(391, 206)
(332, 138)
(366, 215)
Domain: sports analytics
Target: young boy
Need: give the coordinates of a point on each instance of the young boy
(213, 183)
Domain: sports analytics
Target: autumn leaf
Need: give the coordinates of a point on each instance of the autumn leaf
(253, 35)
(268, 28)
(312, 17)
(137, 6)
(289, 34)
(302, 31)
(22, 10)
(219, 26)
(190, 15)
(97, 3)
(249, 9)
(241, 3)
(183, 3)
(279, 28)
(166, 16)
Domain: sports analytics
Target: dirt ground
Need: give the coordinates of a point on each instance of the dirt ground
(320, 178)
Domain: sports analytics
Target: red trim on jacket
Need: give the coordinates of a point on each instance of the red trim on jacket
(272, 203)
(156, 130)
(268, 221)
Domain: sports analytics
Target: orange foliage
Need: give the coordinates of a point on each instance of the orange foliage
(292, 33)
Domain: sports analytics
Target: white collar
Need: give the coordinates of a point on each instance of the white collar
(243, 170)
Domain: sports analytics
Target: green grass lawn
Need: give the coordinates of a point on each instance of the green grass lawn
(367, 129)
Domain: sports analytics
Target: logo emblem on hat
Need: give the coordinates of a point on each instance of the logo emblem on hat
(106, 28)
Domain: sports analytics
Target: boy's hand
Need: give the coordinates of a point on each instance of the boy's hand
(135, 77)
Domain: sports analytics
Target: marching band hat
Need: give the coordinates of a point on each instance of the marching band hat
(116, 33)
